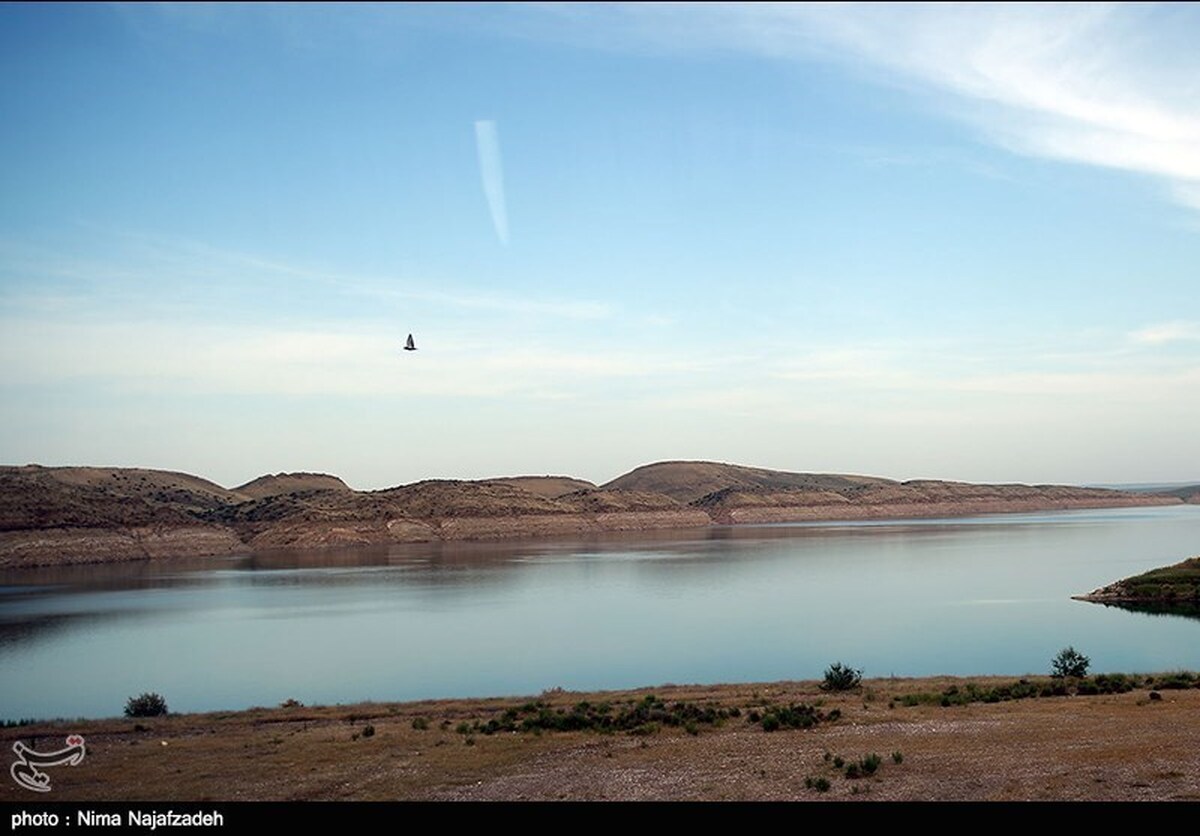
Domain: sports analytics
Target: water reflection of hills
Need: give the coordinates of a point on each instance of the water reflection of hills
(446, 564)
(24, 631)
(752, 603)
(37, 603)
(1186, 609)
(438, 576)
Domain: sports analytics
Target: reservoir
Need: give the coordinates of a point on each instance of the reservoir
(962, 596)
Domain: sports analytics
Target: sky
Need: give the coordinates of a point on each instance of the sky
(957, 242)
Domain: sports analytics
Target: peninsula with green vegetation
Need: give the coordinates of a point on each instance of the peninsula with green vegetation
(1169, 589)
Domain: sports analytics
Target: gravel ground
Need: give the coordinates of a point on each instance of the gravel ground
(1125, 747)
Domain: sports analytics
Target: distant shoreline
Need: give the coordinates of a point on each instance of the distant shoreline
(65, 546)
(62, 516)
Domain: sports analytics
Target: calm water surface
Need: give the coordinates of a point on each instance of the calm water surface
(959, 596)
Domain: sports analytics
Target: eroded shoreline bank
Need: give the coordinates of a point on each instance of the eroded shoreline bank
(67, 545)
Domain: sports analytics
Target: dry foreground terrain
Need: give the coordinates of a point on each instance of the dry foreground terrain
(1142, 744)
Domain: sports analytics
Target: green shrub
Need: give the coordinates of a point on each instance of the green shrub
(1115, 683)
(794, 716)
(146, 705)
(839, 677)
(897, 757)
(820, 783)
(1178, 680)
(368, 730)
(1069, 662)
(643, 716)
(420, 723)
(870, 763)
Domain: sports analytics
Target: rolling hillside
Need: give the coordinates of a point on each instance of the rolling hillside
(51, 515)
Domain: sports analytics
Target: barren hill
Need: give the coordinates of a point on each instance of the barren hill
(689, 481)
(89, 514)
(550, 486)
(1188, 493)
(885, 499)
(281, 483)
(33, 496)
(442, 509)
(86, 514)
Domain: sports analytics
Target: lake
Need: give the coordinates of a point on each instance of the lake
(965, 596)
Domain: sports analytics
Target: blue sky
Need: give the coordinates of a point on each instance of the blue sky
(908, 241)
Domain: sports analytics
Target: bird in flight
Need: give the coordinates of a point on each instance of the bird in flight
(409, 345)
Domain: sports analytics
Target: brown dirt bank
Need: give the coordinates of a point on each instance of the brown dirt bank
(67, 545)
(61, 515)
(901, 510)
(1113, 747)
(63, 546)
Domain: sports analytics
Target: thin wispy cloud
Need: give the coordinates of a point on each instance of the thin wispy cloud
(582, 309)
(1153, 385)
(331, 359)
(145, 267)
(1097, 84)
(491, 173)
(1167, 332)
(953, 369)
(1082, 83)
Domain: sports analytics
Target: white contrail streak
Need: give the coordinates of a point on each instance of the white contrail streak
(487, 144)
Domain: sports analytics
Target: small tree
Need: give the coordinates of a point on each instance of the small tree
(146, 705)
(839, 677)
(1069, 662)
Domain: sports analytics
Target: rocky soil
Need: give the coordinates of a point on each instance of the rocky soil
(1141, 745)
